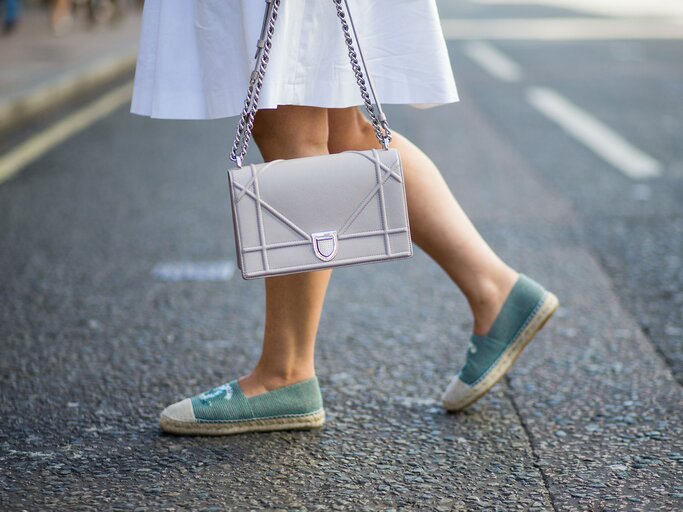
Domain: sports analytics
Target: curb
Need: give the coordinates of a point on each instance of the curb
(26, 105)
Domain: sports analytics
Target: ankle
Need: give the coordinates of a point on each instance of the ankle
(491, 288)
(488, 301)
(280, 377)
(262, 380)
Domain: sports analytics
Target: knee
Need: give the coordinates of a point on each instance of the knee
(350, 130)
(365, 128)
(291, 133)
(280, 138)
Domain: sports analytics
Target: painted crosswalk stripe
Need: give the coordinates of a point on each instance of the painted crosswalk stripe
(493, 61)
(30, 150)
(594, 134)
(194, 271)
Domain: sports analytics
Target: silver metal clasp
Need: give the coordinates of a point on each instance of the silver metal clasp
(324, 244)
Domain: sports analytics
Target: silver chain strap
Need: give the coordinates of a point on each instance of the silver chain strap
(246, 122)
(379, 120)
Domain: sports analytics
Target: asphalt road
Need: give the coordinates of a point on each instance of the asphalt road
(95, 343)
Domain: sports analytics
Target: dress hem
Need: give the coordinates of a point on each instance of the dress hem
(192, 114)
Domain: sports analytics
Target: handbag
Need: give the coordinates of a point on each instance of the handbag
(316, 212)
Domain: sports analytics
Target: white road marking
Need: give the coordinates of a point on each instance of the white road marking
(219, 344)
(30, 150)
(594, 134)
(194, 271)
(493, 61)
(561, 29)
(635, 8)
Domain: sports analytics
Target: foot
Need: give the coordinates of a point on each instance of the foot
(226, 410)
(524, 312)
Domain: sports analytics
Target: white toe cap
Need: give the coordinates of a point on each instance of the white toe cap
(456, 391)
(180, 411)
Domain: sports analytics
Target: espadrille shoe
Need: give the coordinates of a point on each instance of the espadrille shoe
(226, 410)
(525, 311)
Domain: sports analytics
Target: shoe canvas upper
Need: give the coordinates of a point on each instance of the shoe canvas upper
(519, 308)
(228, 403)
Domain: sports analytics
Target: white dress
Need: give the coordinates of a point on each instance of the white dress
(195, 56)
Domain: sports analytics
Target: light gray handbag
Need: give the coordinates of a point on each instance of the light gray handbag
(317, 212)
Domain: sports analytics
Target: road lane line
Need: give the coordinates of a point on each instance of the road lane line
(30, 150)
(631, 8)
(194, 271)
(493, 61)
(594, 134)
(561, 29)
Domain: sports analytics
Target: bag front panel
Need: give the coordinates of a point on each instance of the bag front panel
(280, 205)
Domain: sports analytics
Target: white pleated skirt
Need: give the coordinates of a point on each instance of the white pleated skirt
(195, 56)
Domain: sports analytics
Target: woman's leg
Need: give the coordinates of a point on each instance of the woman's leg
(437, 222)
(293, 302)
(62, 18)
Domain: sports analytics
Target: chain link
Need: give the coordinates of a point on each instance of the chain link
(378, 120)
(246, 123)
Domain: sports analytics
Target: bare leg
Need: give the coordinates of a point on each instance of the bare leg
(293, 302)
(438, 224)
(61, 18)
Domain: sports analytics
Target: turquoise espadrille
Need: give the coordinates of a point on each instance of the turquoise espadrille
(226, 410)
(525, 311)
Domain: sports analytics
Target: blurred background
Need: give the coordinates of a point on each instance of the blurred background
(118, 290)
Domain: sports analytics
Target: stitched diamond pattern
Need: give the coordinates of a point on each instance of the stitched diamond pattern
(247, 186)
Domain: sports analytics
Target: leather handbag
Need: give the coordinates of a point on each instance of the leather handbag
(317, 212)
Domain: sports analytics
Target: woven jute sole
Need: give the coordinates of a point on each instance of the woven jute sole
(549, 306)
(294, 422)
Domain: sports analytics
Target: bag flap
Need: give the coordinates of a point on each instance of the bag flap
(347, 192)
